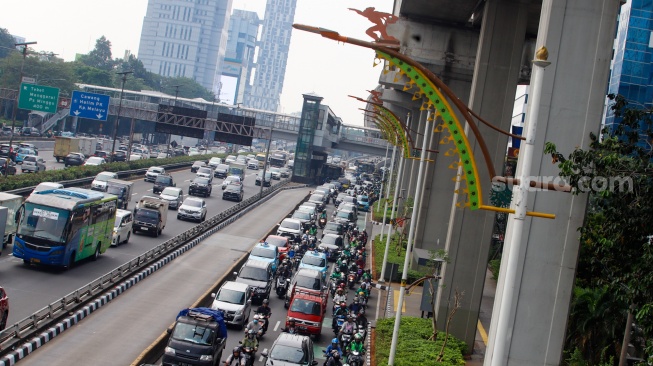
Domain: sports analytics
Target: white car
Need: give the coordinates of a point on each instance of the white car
(95, 161)
(230, 159)
(252, 164)
(100, 181)
(291, 163)
(135, 156)
(206, 172)
(291, 228)
(192, 209)
(214, 162)
(153, 172)
(122, 227)
(232, 179)
(32, 163)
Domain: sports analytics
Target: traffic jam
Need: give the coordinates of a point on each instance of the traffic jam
(300, 298)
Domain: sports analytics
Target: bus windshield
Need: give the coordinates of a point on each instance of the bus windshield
(43, 222)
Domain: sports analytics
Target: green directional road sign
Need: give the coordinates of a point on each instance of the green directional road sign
(38, 98)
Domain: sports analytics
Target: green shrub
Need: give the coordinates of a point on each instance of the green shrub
(413, 346)
(30, 180)
(495, 266)
(377, 212)
(379, 249)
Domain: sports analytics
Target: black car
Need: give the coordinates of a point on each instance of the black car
(8, 151)
(221, 171)
(120, 156)
(73, 159)
(162, 181)
(333, 228)
(233, 192)
(7, 167)
(200, 186)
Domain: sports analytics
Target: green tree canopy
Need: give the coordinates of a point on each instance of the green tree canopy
(7, 43)
(100, 56)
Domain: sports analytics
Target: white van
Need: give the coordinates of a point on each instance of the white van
(122, 227)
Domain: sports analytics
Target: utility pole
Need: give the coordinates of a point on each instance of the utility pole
(20, 81)
(115, 126)
(176, 94)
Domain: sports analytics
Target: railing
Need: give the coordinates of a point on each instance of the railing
(44, 318)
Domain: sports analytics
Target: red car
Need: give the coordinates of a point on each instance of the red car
(281, 242)
(307, 310)
(4, 308)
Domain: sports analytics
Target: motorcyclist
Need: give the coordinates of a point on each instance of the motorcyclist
(367, 276)
(305, 236)
(357, 344)
(342, 265)
(348, 327)
(334, 360)
(364, 289)
(291, 328)
(340, 296)
(355, 306)
(237, 356)
(323, 215)
(360, 262)
(253, 326)
(313, 230)
(285, 271)
(250, 341)
(342, 310)
(265, 310)
(334, 346)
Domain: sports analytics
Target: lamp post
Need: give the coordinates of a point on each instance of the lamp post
(20, 80)
(411, 234)
(169, 135)
(115, 126)
(265, 163)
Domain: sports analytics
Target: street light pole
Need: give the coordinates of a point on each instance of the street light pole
(409, 244)
(385, 163)
(20, 80)
(115, 126)
(169, 135)
(392, 216)
(265, 163)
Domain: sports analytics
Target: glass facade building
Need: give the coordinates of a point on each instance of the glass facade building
(183, 38)
(632, 75)
(302, 170)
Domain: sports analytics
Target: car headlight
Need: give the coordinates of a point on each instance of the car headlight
(260, 290)
(206, 358)
(57, 252)
(169, 351)
(239, 312)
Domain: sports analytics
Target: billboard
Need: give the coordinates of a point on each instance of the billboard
(234, 129)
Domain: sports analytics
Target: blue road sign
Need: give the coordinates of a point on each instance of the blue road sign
(89, 105)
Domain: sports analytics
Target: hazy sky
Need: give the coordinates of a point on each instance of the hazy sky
(315, 64)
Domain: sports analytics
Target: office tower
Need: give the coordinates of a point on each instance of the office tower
(239, 59)
(273, 55)
(183, 38)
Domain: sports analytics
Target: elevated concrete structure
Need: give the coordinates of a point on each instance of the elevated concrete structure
(482, 50)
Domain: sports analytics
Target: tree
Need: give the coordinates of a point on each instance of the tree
(616, 249)
(7, 43)
(100, 56)
(93, 76)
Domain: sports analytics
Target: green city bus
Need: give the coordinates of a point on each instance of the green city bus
(60, 227)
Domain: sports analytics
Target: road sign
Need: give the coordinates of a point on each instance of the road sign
(38, 98)
(28, 80)
(89, 105)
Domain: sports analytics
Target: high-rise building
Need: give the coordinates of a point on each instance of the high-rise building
(632, 68)
(182, 38)
(241, 46)
(274, 45)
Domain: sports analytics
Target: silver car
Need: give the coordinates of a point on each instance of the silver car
(153, 172)
(174, 196)
(32, 163)
(192, 209)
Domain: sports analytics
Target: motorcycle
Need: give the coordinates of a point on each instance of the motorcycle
(345, 339)
(351, 280)
(322, 222)
(249, 354)
(262, 320)
(355, 358)
(282, 286)
(340, 320)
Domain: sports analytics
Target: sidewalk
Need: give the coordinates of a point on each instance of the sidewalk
(411, 306)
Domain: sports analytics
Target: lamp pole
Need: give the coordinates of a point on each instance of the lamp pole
(115, 126)
(265, 163)
(385, 164)
(20, 80)
(411, 234)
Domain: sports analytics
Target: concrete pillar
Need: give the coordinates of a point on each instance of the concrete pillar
(578, 35)
(492, 97)
(413, 164)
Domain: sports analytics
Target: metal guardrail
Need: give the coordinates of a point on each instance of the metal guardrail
(44, 318)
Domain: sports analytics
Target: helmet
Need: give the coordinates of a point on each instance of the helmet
(350, 318)
(334, 341)
(360, 257)
(343, 304)
(336, 355)
(355, 299)
(251, 332)
(236, 350)
(266, 301)
(361, 293)
(340, 290)
(358, 337)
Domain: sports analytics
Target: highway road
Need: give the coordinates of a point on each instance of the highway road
(31, 288)
(118, 332)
